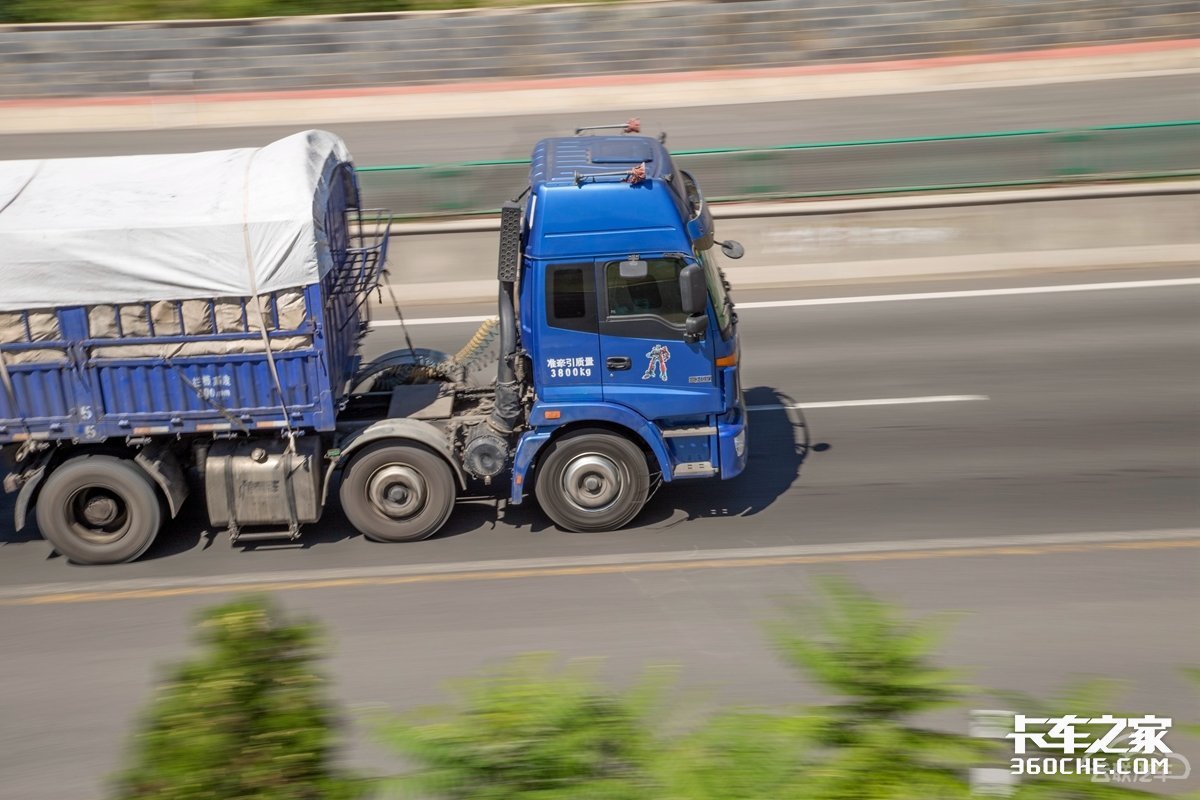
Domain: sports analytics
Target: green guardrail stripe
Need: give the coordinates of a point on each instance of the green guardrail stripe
(823, 145)
(947, 187)
(1121, 152)
(957, 137)
(1114, 178)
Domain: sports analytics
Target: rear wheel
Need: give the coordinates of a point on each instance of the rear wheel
(99, 510)
(593, 480)
(397, 492)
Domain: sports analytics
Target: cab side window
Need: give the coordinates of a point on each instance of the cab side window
(649, 307)
(571, 297)
(656, 294)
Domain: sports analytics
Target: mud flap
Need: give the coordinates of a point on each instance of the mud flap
(161, 465)
(32, 480)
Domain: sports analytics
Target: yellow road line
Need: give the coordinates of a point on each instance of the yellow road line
(60, 598)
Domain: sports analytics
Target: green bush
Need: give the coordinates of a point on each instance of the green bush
(526, 732)
(529, 733)
(126, 10)
(738, 755)
(245, 719)
(866, 744)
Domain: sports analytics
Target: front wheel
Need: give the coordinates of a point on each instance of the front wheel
(593, 480)
(397, 492)
(99, 510)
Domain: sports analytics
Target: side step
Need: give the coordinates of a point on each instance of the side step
(694, 469)
(239, 536)
(701, 430)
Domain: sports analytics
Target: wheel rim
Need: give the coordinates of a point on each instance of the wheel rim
(97, 514)
(592, 482)
(397, 491)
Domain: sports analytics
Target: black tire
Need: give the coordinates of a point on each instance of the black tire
(99, 510)
(394, 492)
(592, 480)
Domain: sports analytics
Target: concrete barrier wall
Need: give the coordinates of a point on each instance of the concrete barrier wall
(871, 239)
(552, 41)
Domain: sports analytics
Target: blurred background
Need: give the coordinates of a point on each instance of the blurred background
(972, 230)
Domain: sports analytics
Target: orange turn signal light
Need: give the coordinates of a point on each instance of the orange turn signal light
(553, 414)
(727, 361)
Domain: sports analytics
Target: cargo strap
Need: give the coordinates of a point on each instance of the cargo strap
(387, 280)
(262, 317)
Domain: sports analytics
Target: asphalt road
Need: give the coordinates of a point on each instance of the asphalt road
(1056, 105)
(1089, 427)
(76, 675)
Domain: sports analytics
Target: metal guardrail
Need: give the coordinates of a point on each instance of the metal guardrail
(831, 169)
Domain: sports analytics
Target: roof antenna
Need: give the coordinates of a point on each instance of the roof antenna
(634, 125)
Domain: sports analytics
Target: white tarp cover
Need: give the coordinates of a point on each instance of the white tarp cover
(85, 231)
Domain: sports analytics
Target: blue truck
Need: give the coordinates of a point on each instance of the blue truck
(192, 324)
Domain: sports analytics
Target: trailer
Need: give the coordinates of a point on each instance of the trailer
(171, 323)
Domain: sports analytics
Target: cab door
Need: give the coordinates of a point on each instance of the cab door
(647, 363)
(568, 348)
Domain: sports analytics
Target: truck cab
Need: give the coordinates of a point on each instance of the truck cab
(628, 331)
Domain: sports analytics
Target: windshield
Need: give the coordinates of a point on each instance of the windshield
(715, 278)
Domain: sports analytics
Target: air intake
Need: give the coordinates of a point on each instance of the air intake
(510, 243)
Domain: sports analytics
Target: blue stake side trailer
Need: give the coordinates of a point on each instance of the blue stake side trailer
(169, 322)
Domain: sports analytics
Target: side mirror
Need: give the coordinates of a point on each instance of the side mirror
(693, 290)
(732, 249)
(695, 327)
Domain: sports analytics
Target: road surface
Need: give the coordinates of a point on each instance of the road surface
(1088, 424)
(992, 420)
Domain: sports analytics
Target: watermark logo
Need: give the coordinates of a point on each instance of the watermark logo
(1107, 748)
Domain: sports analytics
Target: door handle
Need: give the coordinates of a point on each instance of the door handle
(618, 362)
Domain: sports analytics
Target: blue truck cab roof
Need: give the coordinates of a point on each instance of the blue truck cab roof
(582, 203)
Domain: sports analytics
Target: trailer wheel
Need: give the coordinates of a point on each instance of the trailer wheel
(99, 510)
(592, 481)
(397, 492)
